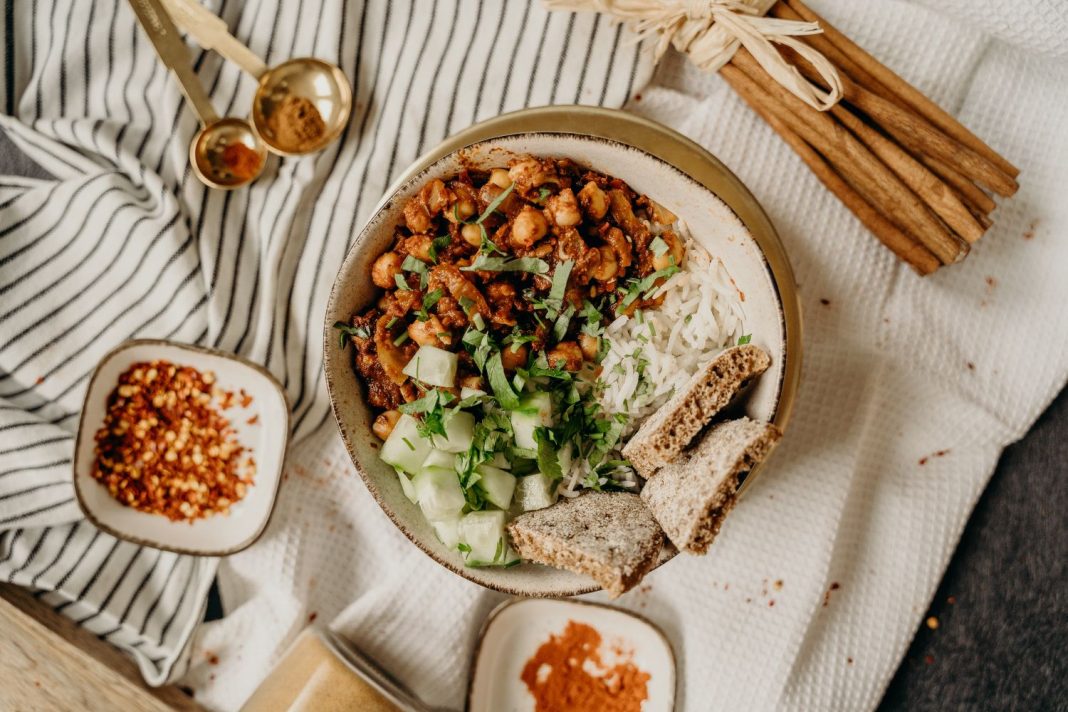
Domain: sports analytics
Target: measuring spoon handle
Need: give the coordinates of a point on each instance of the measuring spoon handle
(175, 55)
(211, 32)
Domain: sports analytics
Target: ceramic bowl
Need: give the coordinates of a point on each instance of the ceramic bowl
(719, 211)
(514, 631)
(265, 439)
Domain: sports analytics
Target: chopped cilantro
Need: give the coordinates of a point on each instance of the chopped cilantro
(360, 332)
(502, 264)
(743, 340)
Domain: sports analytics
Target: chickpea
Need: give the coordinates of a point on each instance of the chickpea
(607, 268)
(528, 227)
(513, 359)
(590, 345)
(564, 209)
(471, 234)
(594, 201)
(499, 177)
(673, 255)
(438, 197)
(385, 269)
(429, 333)
(385, 423)
(529, 173)
(566, 355)
(418, 246)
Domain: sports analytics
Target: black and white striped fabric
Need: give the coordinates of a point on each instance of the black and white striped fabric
(125, 242)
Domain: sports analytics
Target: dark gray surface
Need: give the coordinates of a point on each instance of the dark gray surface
(1003, 644)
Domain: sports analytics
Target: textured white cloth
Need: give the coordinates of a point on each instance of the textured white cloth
(897, 369)
(911, 389)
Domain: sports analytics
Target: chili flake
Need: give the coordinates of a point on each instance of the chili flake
(166, 447)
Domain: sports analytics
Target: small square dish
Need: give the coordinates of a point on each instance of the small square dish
(522, 639)
(260, 421)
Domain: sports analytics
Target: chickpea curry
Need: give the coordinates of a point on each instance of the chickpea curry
(528, 254)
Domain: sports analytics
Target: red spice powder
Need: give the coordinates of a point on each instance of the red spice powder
(559, 677)
(242, 161)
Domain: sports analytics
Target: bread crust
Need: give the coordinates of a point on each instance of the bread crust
(667, 432)
(609, 536)
(691, 496)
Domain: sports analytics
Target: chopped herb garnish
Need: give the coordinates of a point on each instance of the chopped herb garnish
(495, 204)
(548, 459)
(498, 381)
(502, 264)
(400, 339)
(429, 301)
(640, 287)
(360, 332)
(402, 284)
(466, 303)
(413, 264)
(555, 301)
(743, 340)
(658, 246)
(409, 444)
(438, 244)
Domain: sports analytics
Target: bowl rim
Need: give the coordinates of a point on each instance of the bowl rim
(661, 143)
(500, 608)
(140, 541)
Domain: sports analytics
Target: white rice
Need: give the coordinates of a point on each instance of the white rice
(701, 315)
(655, 352)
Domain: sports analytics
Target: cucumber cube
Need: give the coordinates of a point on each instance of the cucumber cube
(459, 432)
(439, 493)
(484, 533)
(448, 532)
(433, 366)
(407, 487)
(536, 491)
(496, 484)
(440, 458)
(405, 447)
(535, 410)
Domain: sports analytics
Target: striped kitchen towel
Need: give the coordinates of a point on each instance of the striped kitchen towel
(124, 242)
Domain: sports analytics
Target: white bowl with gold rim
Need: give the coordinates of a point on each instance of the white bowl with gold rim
(720, 212)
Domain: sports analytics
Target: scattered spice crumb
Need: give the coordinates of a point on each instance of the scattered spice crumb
(246, 399)
(1029, 234)
(254, 419)
(771, 603)
(937, 453)
(726, 587)
(212, 658)
(312, 616)
(637, 97)
(827, 596)
(212, 676)
(37, 683)
(928, 659)
(40, 380)
(825, 302)
(971, 366)
(749, 600)
(952, 600)
(849, 661)
(778, 585)
(932, 623)
(991, 282)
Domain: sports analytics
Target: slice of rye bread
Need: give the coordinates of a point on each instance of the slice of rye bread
(609, 536)
(667, 432)
(691, 496)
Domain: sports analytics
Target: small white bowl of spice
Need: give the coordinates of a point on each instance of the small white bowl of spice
(181, 447)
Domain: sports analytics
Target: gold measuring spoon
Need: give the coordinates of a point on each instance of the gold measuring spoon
(301, 105)
(225, 153)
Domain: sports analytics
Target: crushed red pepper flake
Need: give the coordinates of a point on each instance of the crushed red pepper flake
(212, 658)
(928, 659)
(165, 446)
(312, 616)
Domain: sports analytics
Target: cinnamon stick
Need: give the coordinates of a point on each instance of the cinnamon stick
(858, 166)
(972, 195)
(910, 251)
(936, 194)
(905, 91)
(917, 134)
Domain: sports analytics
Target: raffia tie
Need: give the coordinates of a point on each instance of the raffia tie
(711, 31)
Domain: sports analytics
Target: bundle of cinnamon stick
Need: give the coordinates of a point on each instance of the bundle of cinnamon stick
(907, 169)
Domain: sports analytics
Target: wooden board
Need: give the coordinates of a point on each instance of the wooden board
(49, 663)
